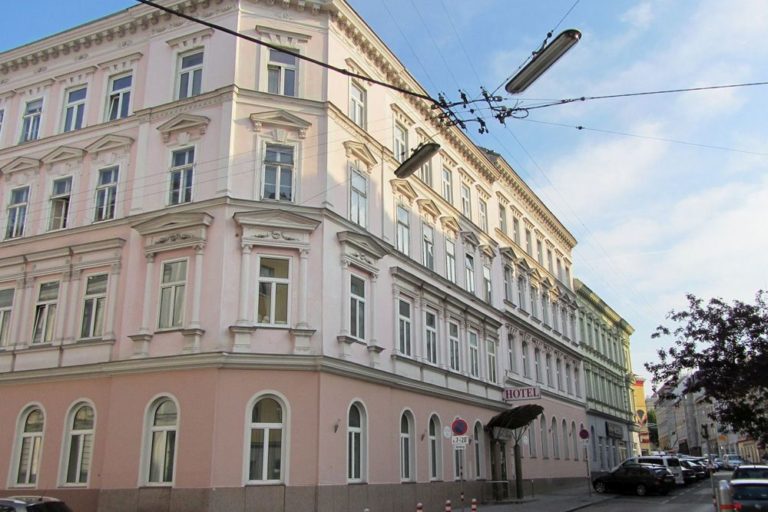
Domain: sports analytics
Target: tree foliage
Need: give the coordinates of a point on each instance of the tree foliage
(721, 350)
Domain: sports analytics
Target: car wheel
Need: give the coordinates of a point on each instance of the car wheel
(641, 490)
(600, 487)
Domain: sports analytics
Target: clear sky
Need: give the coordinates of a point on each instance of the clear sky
(666, 195)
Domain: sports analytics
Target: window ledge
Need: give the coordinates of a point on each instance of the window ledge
(169, 329)
(264, 484)
(350, 340)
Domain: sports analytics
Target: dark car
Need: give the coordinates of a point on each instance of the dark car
(750, 495)
(699, 471)
(688, 474)
(636, 478)
(32, 504)
(750, 471)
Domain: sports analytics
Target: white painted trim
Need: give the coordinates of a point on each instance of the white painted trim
(285, 452)
(146, 441)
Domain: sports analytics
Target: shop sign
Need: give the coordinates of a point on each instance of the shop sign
(521, 394)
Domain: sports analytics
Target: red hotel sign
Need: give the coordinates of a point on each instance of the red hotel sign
(518, 394)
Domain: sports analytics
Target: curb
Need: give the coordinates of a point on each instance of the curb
(585, 505)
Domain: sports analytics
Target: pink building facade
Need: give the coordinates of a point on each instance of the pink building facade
(216, 295)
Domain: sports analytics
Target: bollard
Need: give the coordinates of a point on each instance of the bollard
(473, 508)
(419, 507)
(448, 506)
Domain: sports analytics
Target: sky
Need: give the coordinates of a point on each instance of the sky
(665, 194)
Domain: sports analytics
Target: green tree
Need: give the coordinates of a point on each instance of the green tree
(720, 349)
(653, 428)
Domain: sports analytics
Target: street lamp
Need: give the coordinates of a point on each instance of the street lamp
(419, 157)
(543, 60)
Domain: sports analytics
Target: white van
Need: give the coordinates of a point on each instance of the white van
(671, 463)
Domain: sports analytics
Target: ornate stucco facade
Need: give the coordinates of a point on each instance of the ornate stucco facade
(214, 293)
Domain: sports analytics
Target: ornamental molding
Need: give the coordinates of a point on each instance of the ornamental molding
(63, 153)
(275, 228)
(280, 37)
(174, 230)
(76, 77)
(21, 163)
(361, 250)
(361, 152)
(190, 41)
(109, 143)
(194, 125)
(429, 207)
(402, 187)
(401, 116)
(280, 118)
(450, 223)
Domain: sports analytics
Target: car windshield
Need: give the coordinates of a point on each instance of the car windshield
(751, 473)
(673, 462)
(752, 492)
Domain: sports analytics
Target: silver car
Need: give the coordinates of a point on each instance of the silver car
(32, 504)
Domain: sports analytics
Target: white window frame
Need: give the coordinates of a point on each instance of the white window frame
(105, 200)
(358, 104)
(178, 288)
(96, 303)
(521, 292)
(282, 68)
(516, 230)
(466, 200)
(503, 220)
(184, 173)
(487, 284)
(405, 328)
(454, 346)
(447, 185)
(577, 382)
(16, 213)
(482, 209)
(357, 303)
(434, 448)
(358, 196)
(537, 365)
(163, 432)
(267, 428)
(512, 352)
(478, 441)
(192, 73)
(30, 457)
(45, 315)
(450, 260)
(400, 142)
(79, 446)
(280, 167)
(430, 337)
(120, 98)
(474, 354)
(490, 353)
(559, 373)
(425, 173)
(548, 368)
(275, 283)
(428, 246)
(407, 448)
(509, 277)
(31, 120)
(526, 359)
(7, 296)
(403, 227)
(357, 457)
(74, 111)
(469, 272)
(60, 204)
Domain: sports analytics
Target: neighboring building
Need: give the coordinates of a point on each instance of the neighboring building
(215, 293)
(608, 372)
(641, 435)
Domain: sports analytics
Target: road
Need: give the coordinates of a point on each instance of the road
(696, 497)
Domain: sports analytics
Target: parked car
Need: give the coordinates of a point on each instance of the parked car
(668, 461)
(699, 471)
(32, 504)
(731, 461)
(717, 462)
(637, 478)
(750, 471)
(750, 495)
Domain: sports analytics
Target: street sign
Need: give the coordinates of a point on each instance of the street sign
(584, 434)
(459, 427)
(447, 432)
(521, 394)
(460, 442)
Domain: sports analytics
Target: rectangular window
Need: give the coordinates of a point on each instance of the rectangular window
(400, 143)
(93, 306)
(474, 355)
(403, 230)
(106, 194)
(511, 353)
(274, 278)
(6, 306)
(190, 75)
(450, 260)
(454, 346)
(521, 293)
(466, 201)
(482, 210)
(357, 105)
(549, 261)
(540, 252)
(278, 173)
(537, 365)
(528, 246)
(60, 198)
(45, 312)
(491, 355)
(430, 336)
(516, 230)
(548, 360)
(503, 219)
(358, 200)
(2, 116)
(577, 381)
(74, 109)
(357, 308)
(428, 246)
(559, 269)
(568, 385)
(447, 185)
(469, 273)
(17, 212)
(172, 287)
(182, 167)
(559, 374)
(282, 73)
(487, 291)
(119, 99)
(404, 324)
(508, 277)
(30, 122)
(425, 173)
(526, 366)
(534, 302)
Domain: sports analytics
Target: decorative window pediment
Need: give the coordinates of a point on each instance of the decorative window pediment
(174, 230)
(183, 123)
(470, 238)
(188, 41)
(109, 142)
(466, 177)
(123, 63)
(511, 254)
(484, 194)
(359, 151)
(401, 116)
(361, 250)
(282, 37)
(21, 163)
(429, 207)
(281, 119)
(355, 68)
(450, 223)
(488, 250)
(63, 153)
(403, 188)
(275, 227)
(522, 263)
(448, 161)
(502, 199)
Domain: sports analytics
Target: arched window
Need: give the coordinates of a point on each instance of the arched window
(564, 431)
(265, 463)
(555, 440)
(30, 445)
(478, 441)
(407, 461)
(543, 432)
(357, 443)
(163, 419)
(79, 441)
(532, 439)
(575, 440)
(435, 451)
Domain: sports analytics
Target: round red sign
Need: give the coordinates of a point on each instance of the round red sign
(584, 433)
(459, 427)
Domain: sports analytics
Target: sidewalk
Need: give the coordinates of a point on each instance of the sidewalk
(565, 500)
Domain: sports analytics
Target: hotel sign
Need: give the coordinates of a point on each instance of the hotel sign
(522, 394)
